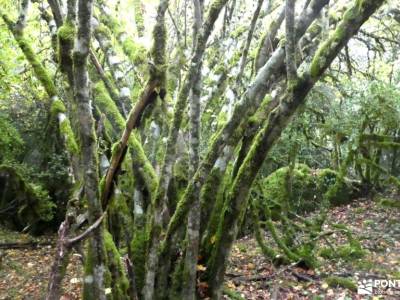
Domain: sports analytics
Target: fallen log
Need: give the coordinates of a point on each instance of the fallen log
(24, 245)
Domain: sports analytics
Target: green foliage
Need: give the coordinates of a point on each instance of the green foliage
(389, 203)
(11, 143)
(28, 202)
(40, 71)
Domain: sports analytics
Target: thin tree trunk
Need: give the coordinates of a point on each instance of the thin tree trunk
(94, 285)
(193, 223)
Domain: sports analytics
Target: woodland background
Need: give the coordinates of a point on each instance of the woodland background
(198, 149)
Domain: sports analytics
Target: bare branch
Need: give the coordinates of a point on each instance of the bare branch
(290, 46)
(86, 233)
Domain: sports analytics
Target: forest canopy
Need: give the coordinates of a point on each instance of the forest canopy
(152, 136)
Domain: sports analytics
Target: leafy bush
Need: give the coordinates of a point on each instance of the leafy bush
(23, 202)
(11, 143)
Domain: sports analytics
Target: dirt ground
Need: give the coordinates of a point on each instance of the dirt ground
(24, 272)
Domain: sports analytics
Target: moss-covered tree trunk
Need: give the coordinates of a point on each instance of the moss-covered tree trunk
(278, 119)
(193, 222)
(95, 260)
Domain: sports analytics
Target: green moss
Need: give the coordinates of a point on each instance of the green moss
(335, 281)
(346, 252)
(281, 244)
(107, 105)
(212, 204)
(177, 280)
(139, 20)
(334, 188)
(40, 72)
(337, 37)
(239, 31)
(259, 116)
(139, 245)
(139, 158)
(339, 193)
(120, 222)
(232, 294)
(136, 53)
(67, 32)
(88, 269)
(57, 107)
(103, 30)
(119, 282)
(326, 178)
(68, 134)
(319, 61)
(141, 162)
(304, 190)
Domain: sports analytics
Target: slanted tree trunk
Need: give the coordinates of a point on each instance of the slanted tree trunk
(267, 136)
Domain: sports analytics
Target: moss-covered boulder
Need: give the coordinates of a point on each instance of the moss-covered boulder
(303, 189)
(301, 195)
(338, 191)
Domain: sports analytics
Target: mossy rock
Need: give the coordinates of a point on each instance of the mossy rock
(337, 190)
(308, 189)
(304, 189)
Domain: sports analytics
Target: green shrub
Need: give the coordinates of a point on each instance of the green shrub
(11, 143)
(23, 201)
(389, 203)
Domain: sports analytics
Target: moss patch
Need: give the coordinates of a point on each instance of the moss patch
(335, 281)
(68, 134)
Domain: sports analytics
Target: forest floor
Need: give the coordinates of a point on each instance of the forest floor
(24, 272)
